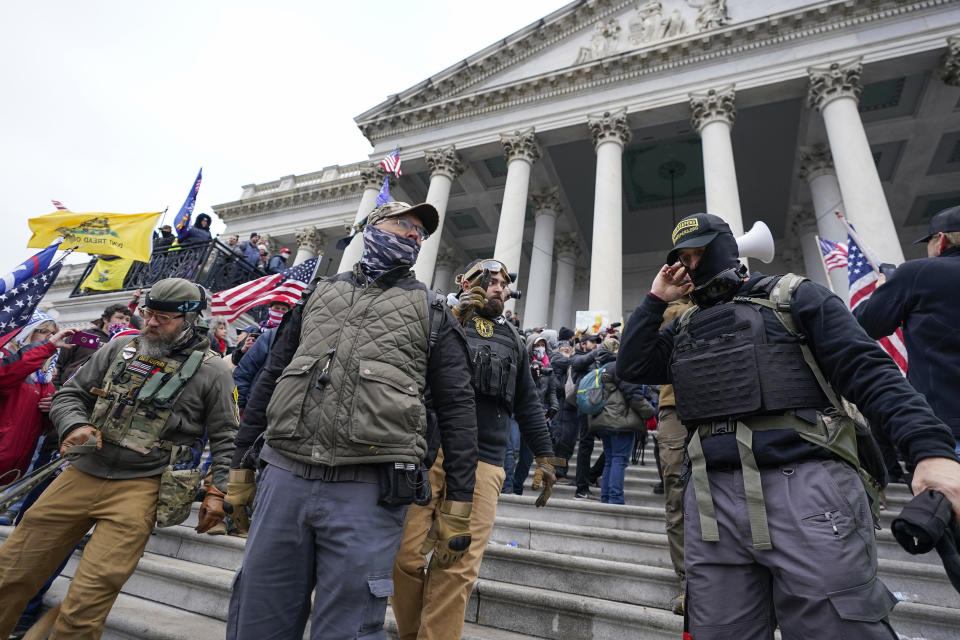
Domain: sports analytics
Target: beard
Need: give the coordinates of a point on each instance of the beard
(492, 308)
(156, 344)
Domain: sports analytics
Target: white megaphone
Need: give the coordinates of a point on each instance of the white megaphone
(757, 243)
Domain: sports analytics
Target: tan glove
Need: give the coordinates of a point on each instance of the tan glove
(449, 537)
(211, 510)
(240, 492)
(80, 435)
(545, 475)
(469, 302)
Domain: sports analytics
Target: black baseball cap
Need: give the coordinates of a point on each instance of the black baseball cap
(943, 222)
(697, 230)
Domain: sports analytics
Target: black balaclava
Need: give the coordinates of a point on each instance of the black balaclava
(719, 255)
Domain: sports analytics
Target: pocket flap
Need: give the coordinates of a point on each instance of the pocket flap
(388, 374)
(299, 366)
(870, 602)
(380, 587)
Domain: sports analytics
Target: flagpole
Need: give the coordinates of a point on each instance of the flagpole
(823, 263)
(868, 253)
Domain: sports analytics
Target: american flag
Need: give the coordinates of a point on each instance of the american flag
(834, 254)
(59, 205)
(391, 162)
(863, 282)
(232, 303)
(17, 304)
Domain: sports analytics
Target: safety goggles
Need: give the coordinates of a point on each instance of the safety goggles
(493, 266)
(162, 318)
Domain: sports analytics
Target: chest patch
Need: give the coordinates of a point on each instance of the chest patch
(140, 368)
(484, 327)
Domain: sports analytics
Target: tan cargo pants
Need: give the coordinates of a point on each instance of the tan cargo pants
(123, 511)
(671, 435)
(429, 604)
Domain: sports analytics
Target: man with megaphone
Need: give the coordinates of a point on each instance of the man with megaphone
(778, 527)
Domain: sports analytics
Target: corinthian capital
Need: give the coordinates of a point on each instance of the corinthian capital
(444, 161)
(836, 81)
(520, 145)
(815, 161)
(610, 126)
(446, 258)
(546, 202)
(310, 238)
(715, 105)
(567, 245)
(371, 176)
(950, 68)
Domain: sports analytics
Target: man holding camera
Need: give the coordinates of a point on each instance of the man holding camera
(430, 601)
(779, 529)
(340, 407)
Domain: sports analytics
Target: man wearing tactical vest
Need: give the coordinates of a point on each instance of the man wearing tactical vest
(430, 601)
(778, 527)
(135, 415)
(340, 407)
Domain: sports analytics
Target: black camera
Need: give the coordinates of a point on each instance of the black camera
(515, 294)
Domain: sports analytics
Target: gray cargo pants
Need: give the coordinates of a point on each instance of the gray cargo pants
(310, 533)
(818, 581)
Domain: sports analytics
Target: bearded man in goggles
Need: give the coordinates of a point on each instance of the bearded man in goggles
(777, 510)
(429, 601)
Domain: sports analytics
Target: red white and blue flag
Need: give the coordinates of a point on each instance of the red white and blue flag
(834, 254)
(391, 162)
(28, 268)
(232, 303)
(59, 205)
(863, 282)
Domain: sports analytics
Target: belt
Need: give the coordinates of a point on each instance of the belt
(368, 473)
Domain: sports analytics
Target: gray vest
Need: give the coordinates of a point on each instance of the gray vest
(353, 391)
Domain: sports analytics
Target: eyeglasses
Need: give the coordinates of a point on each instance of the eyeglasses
(407, 226)
(162, 318)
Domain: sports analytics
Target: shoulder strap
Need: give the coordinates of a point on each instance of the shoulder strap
(685, 318)
(438, 316)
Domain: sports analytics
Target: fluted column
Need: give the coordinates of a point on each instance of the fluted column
(546, 207)
(802, 231)
(566, 249)
(310, 240)
(521, 150)
(712, 116)
(610, 132)
(950, 66)
(371, 177)
(445, 263)
(834, 92)
(816, 169)
(445, 166)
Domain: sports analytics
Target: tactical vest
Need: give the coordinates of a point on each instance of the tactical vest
(138, 393)
(497, 356)
(729, 377)
(353, 391)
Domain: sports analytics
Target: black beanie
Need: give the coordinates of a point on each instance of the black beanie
(564, 334)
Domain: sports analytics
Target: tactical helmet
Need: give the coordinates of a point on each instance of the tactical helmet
(176, 294)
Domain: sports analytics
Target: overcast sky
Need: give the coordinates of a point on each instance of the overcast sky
(113, 106)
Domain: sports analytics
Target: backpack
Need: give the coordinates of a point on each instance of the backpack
(570, 388)
(590, 396)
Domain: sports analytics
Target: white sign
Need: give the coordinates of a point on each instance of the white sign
(592, 322)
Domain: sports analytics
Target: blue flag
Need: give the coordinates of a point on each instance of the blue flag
(29, 268)
(384, 196)
(17, 304)
(182, 222)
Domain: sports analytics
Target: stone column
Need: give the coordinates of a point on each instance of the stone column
(310, 241)
(611, 132)
(816, 169)
(834, 92)
(446, 263)
(371, 177)
(522, 151)
(712, 115)
(950, 67)
(445, 166)
(566, 249)
(802, 231)
(546, 207)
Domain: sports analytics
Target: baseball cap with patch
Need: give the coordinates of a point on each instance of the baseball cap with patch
(425, 211)
(695, 231)
(943, 222)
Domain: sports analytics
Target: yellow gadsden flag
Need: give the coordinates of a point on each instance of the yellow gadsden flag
(125, 235)
(108, 274)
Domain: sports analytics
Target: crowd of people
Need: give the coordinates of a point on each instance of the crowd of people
(253, 252)
(360, 437)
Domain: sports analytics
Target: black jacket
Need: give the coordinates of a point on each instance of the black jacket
(448, 380)
(852, 362)
(924, 295)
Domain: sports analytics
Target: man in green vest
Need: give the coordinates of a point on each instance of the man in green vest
(136, 410)
(341, 410)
